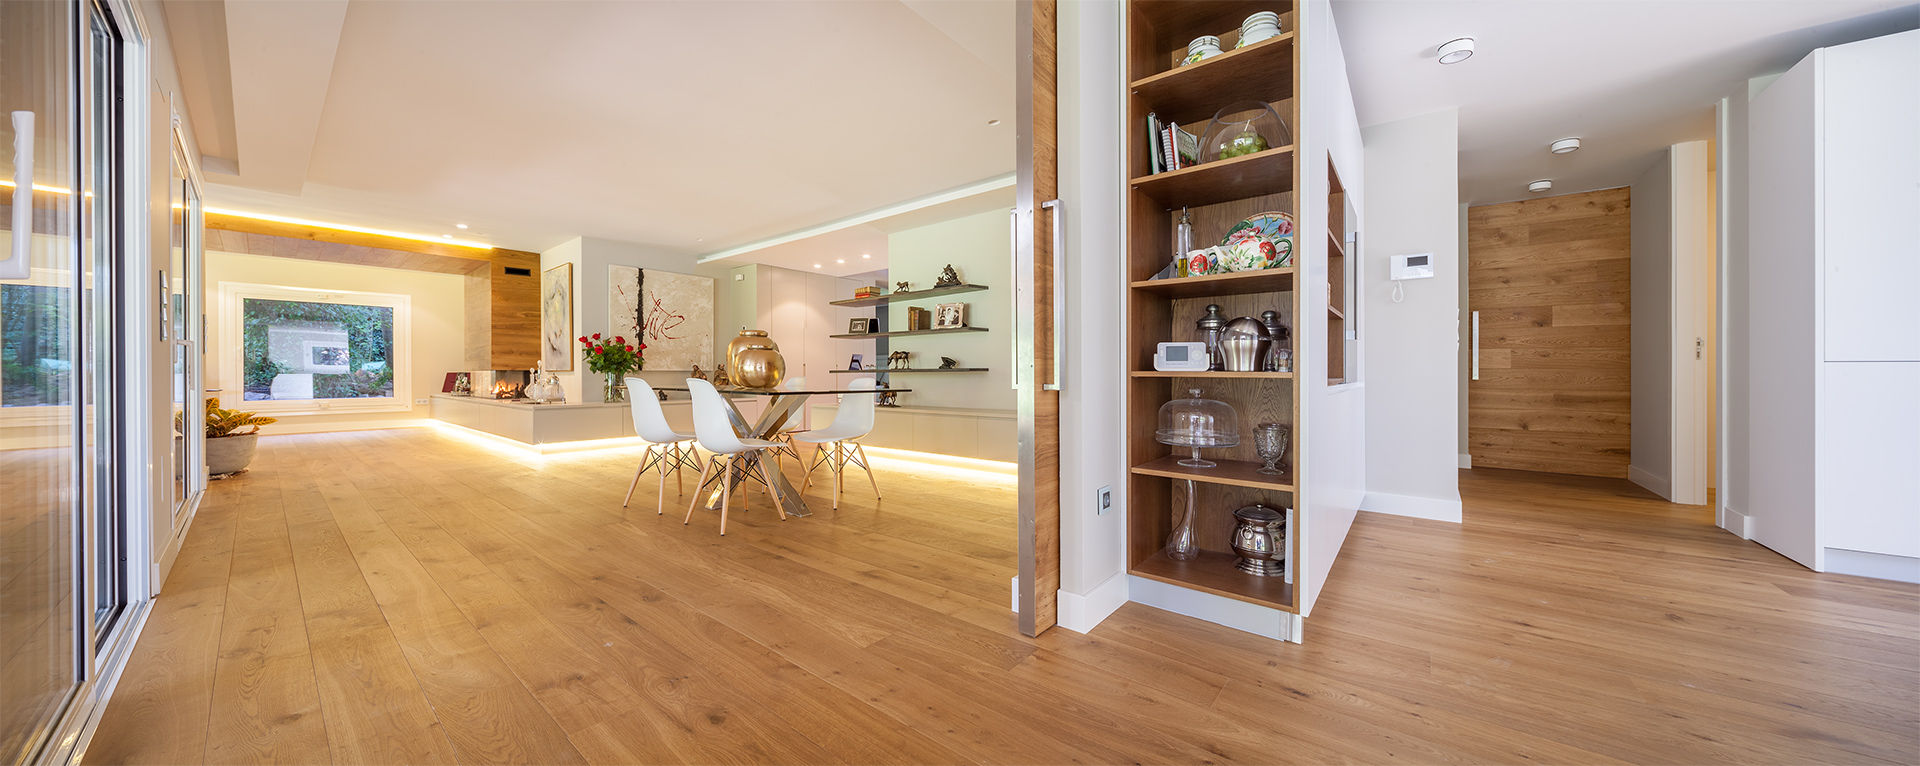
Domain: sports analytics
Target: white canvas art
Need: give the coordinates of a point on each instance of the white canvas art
(556, 318)
(672, 313)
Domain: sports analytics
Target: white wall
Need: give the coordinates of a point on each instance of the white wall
(437, 319)
(1651, 267)
(1092, 441)
(590, 258)
(977, 246)
(1413, 206)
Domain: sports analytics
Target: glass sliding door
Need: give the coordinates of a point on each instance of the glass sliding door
(104, 245)
(41, 438)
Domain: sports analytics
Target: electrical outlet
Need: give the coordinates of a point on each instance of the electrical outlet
(1103, 500)
(420, 401)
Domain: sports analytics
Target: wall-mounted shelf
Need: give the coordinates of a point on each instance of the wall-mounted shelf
(922, 369)
(933, 292)
(909, 333)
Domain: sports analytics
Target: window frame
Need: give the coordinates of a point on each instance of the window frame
(233, 297)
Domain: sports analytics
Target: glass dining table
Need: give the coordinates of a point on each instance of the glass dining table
(782, 403)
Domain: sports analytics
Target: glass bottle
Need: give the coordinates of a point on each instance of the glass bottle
(1181, 544)
(1182, 243)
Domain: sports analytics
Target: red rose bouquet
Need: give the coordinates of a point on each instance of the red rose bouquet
(612, 357)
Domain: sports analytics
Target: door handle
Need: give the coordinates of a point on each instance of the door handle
(19, 265)
(1476, 345)
(1059, 279)
(1013, 285)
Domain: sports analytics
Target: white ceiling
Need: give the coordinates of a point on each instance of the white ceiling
(692, 126)
(838, 252)
(1629, 77)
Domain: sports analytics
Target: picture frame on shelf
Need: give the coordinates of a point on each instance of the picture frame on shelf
(855, 363)
(950, 316)
(863, 326)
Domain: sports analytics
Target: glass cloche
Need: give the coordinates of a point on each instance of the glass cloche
(1197, 423)
(1242, 128)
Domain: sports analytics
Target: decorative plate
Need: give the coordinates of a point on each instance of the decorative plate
(1274, 228)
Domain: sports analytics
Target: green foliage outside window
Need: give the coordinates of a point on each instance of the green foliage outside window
(36, 328)
(369, 332)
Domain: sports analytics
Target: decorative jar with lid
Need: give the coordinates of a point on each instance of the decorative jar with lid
(1198, 423)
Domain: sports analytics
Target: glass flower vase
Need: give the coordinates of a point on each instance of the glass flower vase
(1181, 545)
(616, 389)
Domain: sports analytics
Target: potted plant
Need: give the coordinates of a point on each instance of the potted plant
(614, 359)
(230, 450)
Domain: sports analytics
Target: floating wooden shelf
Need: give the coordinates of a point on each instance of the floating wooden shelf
(923, 369)
(1208, 374)
(1231, 283)
(1335, 313)
(1249, 175)
(885, 298)
(1213, 572)
(858, 336)
(1260, 72)
(1335, 246)
(1233, 473)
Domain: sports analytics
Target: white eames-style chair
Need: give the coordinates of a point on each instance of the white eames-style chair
(668, 450)
(836, 445)
(714, 430)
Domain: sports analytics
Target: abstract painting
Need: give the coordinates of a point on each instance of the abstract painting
(556, 318)
(672, 313)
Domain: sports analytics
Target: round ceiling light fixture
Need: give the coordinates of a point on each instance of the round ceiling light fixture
(1456, 50)
(866, 255)
(460, 226)
(1540, 186)
(839, 260)
(1564, 145)
(816, 265)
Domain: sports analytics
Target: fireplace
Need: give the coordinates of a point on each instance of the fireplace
(500, 384)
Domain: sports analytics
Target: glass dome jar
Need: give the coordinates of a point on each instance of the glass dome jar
(1197, 423)
(1243, 128)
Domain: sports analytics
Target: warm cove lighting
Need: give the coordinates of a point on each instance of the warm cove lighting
(440, 240)
(40, 188)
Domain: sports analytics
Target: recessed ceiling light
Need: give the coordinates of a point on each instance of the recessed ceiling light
(1564, 145)
(991, 123)
(1540, 186)
(1456, 50)
(816, 265)
(866, 255)
(446, 236)
(460, 226)
(839, 260)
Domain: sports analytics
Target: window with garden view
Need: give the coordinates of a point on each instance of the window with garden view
(305, 350)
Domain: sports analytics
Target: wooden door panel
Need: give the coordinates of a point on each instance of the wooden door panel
(1550, 278)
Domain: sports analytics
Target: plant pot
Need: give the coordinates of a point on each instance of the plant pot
(231, 454)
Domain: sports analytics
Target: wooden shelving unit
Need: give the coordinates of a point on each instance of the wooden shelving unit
(885, 298)
(904, 333)
(1217, 195)
(920, 369)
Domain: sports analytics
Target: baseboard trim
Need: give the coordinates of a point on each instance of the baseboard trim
(1466, 460)
(1412, 506)
(1883, 566)
(1740, 524)
(1080, 613)
(1219, 610)
(1656, 484)
(297, 427)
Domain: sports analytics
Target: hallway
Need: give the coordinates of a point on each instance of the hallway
(403, 596)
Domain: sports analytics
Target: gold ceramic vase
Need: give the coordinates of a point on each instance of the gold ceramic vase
(746, 340)
(759, 368)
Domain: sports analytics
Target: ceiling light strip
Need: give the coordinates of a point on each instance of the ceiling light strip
(438, 240)
(992, 184)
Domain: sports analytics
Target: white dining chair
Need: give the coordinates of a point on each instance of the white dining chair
(668, 450)
(837, 445)
(714, 430)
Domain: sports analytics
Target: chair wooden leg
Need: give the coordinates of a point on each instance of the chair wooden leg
(726, 494)
(636, 475)
(697, 493)
(660, 501)
(839, 472)
(777, 506)
(868, 465)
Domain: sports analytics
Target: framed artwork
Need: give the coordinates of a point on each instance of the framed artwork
(672, 313)
(855, 364)
(950, 316)
(856, 327)
(556, 318)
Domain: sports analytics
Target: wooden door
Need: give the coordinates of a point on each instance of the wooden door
(1036, 338)
(1548, 279)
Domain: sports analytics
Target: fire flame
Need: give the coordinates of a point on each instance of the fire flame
(506, 390)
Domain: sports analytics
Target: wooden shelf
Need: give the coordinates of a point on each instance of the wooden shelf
(1335, 313)
(1231, 283)
(1208, 374)
(885, 298)
(1213, 572)
(1249, 175)
(1335, 246)
(859, 336)
(1258, 72)
(1233, 473)
(921, 369)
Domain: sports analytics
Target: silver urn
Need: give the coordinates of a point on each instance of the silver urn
(1243, 345)
(1260, 539)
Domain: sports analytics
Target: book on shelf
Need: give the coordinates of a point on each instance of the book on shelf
(1154, 162)
(866, 292)
(1183, 148)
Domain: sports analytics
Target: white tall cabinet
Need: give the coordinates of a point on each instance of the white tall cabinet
(1834, 227)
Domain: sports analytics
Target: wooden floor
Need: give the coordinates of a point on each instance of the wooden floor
(402, 596)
